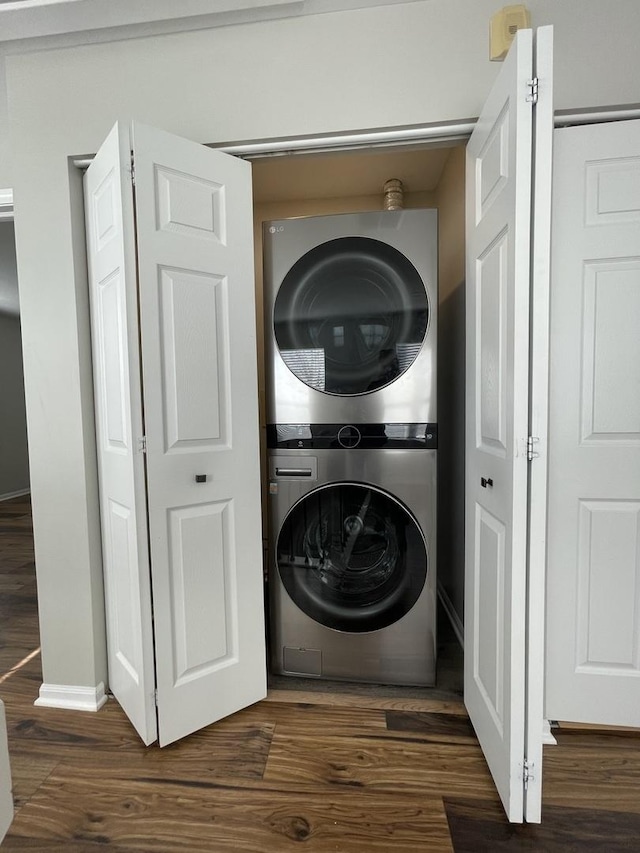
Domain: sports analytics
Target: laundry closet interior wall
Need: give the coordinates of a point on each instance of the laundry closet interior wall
(351, 182)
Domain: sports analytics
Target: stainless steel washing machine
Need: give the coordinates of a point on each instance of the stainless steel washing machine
(352, 559)
(351, 318)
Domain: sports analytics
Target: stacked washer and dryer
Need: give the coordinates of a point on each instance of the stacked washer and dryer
(351, 341)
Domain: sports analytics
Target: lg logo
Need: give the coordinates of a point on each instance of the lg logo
(273, 229)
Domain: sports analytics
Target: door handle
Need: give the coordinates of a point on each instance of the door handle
(486, 481)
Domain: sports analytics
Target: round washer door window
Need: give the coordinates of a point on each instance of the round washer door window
(352, 557)
(351, 316)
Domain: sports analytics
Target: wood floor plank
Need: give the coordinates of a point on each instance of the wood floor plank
(582, 776)
(383, 703)
(479, 826)
(597, 737)
(237, 749)
(28, 772)
(561, 727)
(312, 719)
(166, 817)
(390, 764)
(13, 844)
(449, 728)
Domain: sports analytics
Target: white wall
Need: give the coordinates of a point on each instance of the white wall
(5, 166)
(14, 463)
(314, 74)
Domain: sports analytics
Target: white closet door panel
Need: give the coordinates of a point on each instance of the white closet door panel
(194, 325)
(611, 351)
(498, 245)
(194, 217)
(118, 403)
(593, 635)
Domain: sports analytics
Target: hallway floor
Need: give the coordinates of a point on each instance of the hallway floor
(304, 770)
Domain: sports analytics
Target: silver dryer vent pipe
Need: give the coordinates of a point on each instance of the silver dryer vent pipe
(393, 194)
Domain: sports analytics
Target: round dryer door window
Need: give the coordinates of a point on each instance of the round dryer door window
(350, 316)
(352, 557)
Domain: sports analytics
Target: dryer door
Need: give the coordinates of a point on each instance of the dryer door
(352, 557)
(350, 316)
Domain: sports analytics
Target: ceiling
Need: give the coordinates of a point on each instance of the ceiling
(346, 173)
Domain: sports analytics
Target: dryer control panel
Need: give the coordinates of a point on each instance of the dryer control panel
(352, 436)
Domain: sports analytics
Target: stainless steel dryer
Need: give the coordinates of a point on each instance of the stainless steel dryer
(351, 318)
(352, 561)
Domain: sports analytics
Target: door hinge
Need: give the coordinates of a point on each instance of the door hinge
(527, 773)
(142, 444)
(531, 453)
(155, 697)
(532, 89)
(133, 170)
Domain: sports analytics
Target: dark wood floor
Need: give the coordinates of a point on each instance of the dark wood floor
(304, 770)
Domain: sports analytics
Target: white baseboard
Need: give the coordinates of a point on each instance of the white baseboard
(70, 697)
(455, 620)
(8, 495)
(547, 734)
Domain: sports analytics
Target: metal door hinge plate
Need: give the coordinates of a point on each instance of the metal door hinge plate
(527, 773)
(531, 453)
(532, 89)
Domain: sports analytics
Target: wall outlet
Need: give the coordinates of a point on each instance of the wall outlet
(504, 26)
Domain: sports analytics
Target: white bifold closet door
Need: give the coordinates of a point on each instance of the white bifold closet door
(502, 671)
(593, 669)
(173, 324)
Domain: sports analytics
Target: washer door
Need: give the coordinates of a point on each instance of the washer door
(352, 557)
(350, 316)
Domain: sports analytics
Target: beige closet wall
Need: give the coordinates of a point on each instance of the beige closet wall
(451, 382)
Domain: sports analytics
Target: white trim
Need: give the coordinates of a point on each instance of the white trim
(456, 622)
(432, 134)
(70, 697)
(547, 736)
(9, 495)
(429, 134)
(457, 131)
